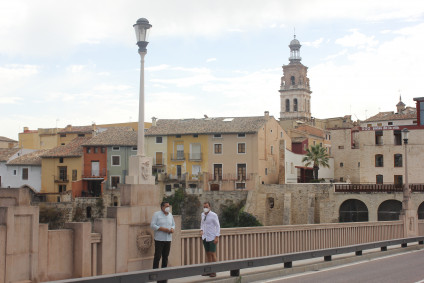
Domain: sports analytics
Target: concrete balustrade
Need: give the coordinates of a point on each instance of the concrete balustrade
(240, 243)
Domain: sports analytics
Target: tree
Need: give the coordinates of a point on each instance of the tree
(318, 156)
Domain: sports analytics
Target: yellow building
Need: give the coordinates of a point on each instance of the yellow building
(61, 169)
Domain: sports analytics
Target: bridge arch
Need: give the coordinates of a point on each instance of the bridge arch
(421, 211)
(353, 210)
(389, 210)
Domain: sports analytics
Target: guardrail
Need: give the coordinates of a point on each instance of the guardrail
(234, 266)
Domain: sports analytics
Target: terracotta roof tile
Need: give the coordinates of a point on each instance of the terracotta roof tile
(4, 139)
(386, 116)
(76, 129)
(219, 125)
(6, 153)
(33, 158)
(119, 136)
(72, 149)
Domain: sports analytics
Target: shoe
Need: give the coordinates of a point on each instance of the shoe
(212, 275)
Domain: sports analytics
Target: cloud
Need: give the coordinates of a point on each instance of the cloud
(357, 39)
(210, 60)
(316, 43)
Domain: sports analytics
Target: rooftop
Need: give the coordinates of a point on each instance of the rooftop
(6, 153)
(33, 158)
(116, 136)
(72, 149)
(4, 139)
(408, 113)
(76, 129)
(219, 125)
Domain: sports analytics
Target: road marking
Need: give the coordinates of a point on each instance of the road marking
(337, 267)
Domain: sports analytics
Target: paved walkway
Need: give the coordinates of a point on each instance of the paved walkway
(263, 273)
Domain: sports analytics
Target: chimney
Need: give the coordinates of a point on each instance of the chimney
(154, 121)
(266, 114)
(26, 129)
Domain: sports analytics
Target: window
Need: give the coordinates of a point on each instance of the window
(241, 148)
(62, 135)
(114, 181)
(240, 186)
(369, 125)
(88, 150)
(115, 148)
(96, 150)
(241, 172)
(134, 148)
(242, 135)
(341, 164)
(379, 160)
(102, 149)
(390, 123)
(266, 171)
(359, 164)
(81, 135)
(217, 172)
(379, 124)
(180, 152)
(60, 159)
(178, 136)
(74, 175)
(88, 211)
(217, 148)
(398, 181)
(421, 113)
(168, 188)
(292, 80)
(398, 160)
(24, 173)
(158, 139)
(195, 136)
(287, 105)
(315, 142)
(295, 105)
(379, 179)
(217, 135)
(272, 149)
(378, 137)
(116, 160)
(15, 172)
(62, 188)
(63, 173)
(397, 134)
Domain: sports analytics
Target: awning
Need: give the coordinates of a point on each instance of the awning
(94, 178)
(304, 167)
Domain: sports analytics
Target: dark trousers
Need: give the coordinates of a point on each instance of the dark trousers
(161, 250)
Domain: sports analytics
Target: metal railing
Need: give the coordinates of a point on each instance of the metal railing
(376, 187)
(234, 266)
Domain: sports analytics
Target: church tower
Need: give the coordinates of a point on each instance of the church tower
(295, 93)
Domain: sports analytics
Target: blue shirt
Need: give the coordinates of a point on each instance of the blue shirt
(159, 219)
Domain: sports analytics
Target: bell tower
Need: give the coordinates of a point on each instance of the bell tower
(295, 93)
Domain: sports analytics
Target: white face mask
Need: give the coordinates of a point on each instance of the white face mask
(167, 209)
(205, 210)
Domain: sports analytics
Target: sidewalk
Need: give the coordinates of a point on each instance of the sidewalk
(277, 270)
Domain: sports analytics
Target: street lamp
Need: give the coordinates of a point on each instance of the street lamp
(141, 27)
(406, 190)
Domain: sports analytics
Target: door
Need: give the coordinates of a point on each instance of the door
(179, 171)
(95, 168)
(159, 160)
(195, 151)
(217, 172)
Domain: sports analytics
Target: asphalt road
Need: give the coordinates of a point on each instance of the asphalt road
(405, 268)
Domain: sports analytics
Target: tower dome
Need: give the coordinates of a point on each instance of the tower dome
(295, 51)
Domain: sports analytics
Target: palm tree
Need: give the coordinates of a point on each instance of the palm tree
(318, 156)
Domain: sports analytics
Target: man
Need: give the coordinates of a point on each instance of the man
(210, 230)
(163, 224)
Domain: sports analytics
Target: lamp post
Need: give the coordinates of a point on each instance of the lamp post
(406, 190)
(142, 27)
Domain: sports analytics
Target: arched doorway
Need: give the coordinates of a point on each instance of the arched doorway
(389, 210)
(353, 210)
(421, 211)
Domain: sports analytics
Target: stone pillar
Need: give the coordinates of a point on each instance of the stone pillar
(107, 248)
(311, 208)
(82, 248)
(410, 222)
(287, 209)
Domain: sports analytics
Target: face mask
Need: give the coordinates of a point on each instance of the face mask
(167, 209)
(205, 210)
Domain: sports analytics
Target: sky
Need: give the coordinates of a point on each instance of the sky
(76, 62)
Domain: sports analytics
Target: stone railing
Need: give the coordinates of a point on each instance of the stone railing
(240, 243)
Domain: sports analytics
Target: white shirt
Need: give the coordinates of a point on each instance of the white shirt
(160, 219)
(210, 226)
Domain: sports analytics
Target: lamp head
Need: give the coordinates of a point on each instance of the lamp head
(142, 27)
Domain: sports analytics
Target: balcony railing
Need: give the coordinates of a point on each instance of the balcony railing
(61, 178)
(91, 173)
(230, 177)
(195, 156)
(184, 156)
(158, 161)
(179, 156)
(376, 187)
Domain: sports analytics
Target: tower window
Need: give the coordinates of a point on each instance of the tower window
(295, 105)
(292, 80)
(287, 105)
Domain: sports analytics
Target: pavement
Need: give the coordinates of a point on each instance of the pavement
(261, 274)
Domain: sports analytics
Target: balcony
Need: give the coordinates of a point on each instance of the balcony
(230, 177)
(62, 178)
(195, 156)
(179, 156)
(95, 174)
(369, 188)
(158, 162)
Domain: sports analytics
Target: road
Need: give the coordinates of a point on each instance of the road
(408, 267)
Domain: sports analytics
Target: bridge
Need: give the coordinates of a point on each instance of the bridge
(122, 242)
